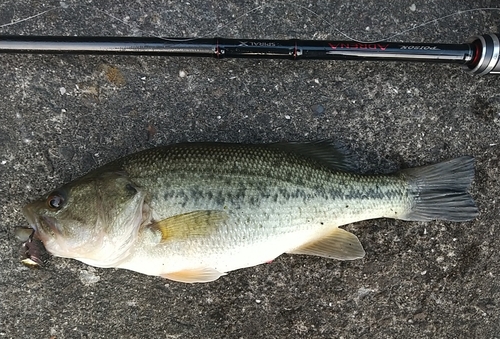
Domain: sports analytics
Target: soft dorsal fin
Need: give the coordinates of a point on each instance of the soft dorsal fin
(196, 223)
(327, 152)
(339, 244)
(196, 275)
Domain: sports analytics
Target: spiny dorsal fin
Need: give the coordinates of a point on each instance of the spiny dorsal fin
(339, 244)
(327, 152)
(195, 275)
(196, 223)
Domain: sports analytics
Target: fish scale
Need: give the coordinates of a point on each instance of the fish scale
(204, 167)
(295, 192)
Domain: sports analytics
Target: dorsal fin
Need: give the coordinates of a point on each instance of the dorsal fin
(328, 152)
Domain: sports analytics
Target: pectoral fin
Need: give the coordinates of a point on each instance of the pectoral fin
(339, 244)
(197, 275)
(192, 224)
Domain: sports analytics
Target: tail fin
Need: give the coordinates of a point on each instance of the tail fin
(440, 191)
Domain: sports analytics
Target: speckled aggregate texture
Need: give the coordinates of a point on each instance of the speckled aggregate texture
(62, 115)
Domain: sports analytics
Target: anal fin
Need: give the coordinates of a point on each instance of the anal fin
(196, 275)
(339, 244)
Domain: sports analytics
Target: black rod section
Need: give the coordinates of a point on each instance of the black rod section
(480, 55)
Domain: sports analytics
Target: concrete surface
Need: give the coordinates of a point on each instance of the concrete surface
(60, 116)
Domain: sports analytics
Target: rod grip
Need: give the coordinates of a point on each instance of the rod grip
(486, 55)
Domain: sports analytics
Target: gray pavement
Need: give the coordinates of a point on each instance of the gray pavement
(61, 116)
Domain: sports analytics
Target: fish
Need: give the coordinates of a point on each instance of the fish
(192, 212)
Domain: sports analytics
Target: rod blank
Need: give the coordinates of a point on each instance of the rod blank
(479, 56)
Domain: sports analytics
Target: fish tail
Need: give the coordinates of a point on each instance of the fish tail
(440, 191)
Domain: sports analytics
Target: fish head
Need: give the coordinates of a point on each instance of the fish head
(94, 219)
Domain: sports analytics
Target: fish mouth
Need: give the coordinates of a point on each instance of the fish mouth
(30, 215)
(33, 250)
(40, 223)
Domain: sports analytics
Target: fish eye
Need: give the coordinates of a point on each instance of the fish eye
(55, 201)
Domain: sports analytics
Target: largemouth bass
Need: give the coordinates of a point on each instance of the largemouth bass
(192, 212)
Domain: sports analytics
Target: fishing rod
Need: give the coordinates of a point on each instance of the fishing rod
(478, 56)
